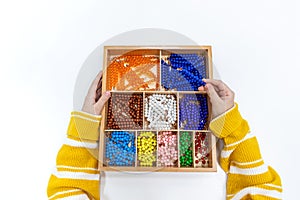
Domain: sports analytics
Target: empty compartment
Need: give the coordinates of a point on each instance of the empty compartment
(120, 149)
(132, 69)
(125, 111)
(193, 111)
(146, 149)
(167, 150)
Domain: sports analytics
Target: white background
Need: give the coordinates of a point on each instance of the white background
(44, 43)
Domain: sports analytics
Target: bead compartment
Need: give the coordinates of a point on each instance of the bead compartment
(133, 70)
(146, 149)
(160, 111)
(167, 150)
(194, 146)
(159, 88)
(183, 70)
(125, 111)
(202, 149)
(193, 112)
(186, 149)
(120, 148)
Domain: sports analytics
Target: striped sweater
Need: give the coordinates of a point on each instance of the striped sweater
(248, 177)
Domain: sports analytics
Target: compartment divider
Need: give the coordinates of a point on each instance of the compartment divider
(193, 151)
(157, 148)
(160, 57)
(178, 151)
(178, 99)
(135, 143)
(144, 103)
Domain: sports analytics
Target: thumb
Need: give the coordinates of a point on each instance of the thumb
(100, 103)
(213, 95)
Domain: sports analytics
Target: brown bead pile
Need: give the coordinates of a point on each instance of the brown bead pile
(125, 111)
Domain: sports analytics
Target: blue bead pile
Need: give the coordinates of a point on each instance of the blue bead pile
(193, 112)
(120, 148)
(184, 72)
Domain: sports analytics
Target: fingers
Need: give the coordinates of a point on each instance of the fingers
(101, 102)
(220, 87)
(97, 79)
(217, 83)
(94, 84)
(98, 90)
(201, 88)
(212, 93)
(221, 93)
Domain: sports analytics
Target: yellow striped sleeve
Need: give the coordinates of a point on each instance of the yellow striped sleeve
(248, 176)
(76, 175)
(84, 125)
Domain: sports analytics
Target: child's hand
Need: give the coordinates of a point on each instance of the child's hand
(94, 101)
(221, 96)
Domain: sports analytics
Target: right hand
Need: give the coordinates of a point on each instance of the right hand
(94, 100)
(221, 96)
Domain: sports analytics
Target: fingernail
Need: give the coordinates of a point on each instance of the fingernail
(204, 79)
(107, 93)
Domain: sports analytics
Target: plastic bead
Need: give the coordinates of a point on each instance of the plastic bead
(156, 111)
(201, 150)
(186, 149)
(193, 112)
(184, 72)
(120, 148)
(146, 149)
(133, 72)
(161, 111)
(167, 149)
(125, 111)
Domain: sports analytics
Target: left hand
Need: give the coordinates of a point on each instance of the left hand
(94, 101)
(220, 95)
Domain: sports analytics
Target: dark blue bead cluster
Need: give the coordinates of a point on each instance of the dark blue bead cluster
(193, 112)
(120, 148)
(183, 72)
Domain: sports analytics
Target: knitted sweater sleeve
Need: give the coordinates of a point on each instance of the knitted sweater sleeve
(76, 175)
(248, 177)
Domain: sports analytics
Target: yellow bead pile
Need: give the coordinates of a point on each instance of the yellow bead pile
(146, 148)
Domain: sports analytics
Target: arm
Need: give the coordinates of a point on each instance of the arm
(248, 176)
(76, 175)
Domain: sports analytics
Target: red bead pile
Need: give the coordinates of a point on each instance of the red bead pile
(201, 149)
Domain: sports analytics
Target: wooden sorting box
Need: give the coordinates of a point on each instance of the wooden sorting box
(154, 100)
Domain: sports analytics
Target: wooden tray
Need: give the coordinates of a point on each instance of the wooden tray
(120, 77)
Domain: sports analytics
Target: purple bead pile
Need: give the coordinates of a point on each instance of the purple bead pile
(183, 72)
(193, 112)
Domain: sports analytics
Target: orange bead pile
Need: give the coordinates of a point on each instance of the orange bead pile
(133, 72)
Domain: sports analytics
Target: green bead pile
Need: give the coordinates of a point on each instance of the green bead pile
(186, 149)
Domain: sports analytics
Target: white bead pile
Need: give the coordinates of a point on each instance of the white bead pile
(160, 111)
